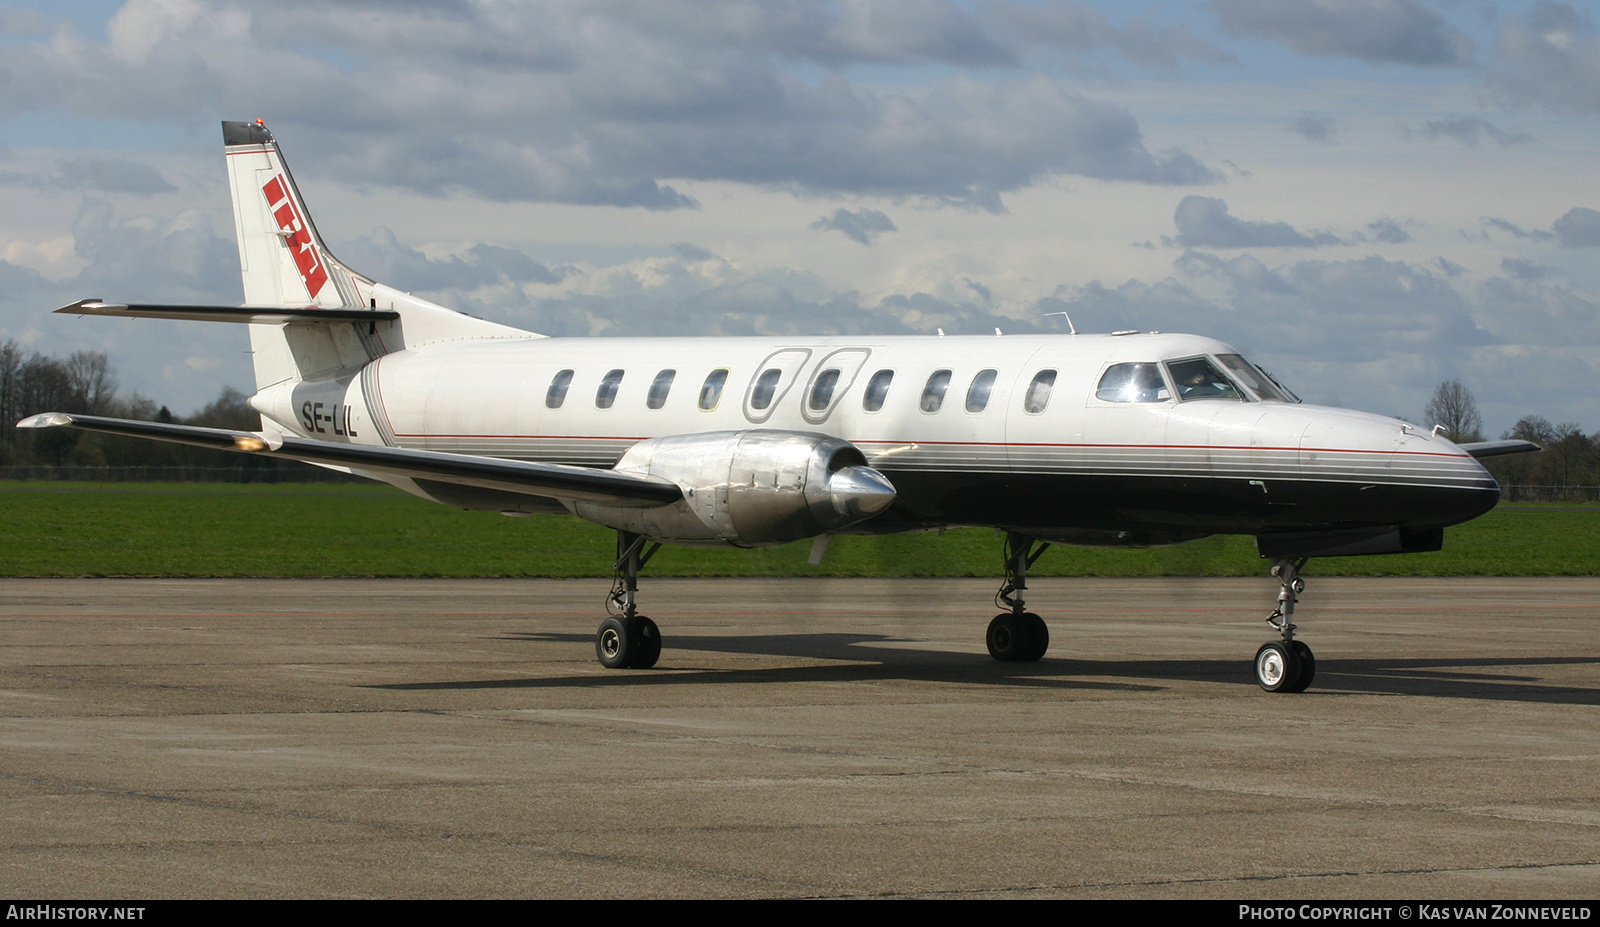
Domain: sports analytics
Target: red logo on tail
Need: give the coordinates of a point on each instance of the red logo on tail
(295, 233)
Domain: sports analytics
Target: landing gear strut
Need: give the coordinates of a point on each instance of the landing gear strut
(1286, 665)
(628, 640)
(1018, 635)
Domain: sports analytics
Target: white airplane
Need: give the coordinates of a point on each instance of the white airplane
(1127, 439)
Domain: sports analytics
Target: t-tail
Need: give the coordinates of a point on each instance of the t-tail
(284, 262)
(311, 317)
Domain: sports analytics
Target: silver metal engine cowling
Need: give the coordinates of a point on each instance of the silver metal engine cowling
(749, 488)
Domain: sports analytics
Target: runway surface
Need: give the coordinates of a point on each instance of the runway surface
(799, 738)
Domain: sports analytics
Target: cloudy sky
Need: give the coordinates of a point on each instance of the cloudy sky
(1367, 196)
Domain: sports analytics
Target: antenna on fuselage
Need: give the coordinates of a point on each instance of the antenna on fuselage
(1070, 327)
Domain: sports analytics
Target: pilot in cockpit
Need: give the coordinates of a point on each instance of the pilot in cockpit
(1197, 379)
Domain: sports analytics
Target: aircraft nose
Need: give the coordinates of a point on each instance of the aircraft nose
(859, 492)
(1451, 487)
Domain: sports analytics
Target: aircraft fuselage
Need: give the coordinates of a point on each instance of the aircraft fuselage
(994, 449)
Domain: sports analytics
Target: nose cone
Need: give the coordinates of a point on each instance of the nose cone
(1463, 489)
(1380, 471)
(1432, 483)
(859, 492)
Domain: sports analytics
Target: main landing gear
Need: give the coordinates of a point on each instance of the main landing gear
(1286, 665)
(628, 640)
(1018, 634)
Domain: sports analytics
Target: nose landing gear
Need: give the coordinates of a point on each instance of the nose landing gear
(1286, 665)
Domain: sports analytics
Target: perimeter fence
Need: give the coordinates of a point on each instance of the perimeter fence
(1550, 493)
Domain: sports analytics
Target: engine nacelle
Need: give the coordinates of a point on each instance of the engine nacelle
(749, 488)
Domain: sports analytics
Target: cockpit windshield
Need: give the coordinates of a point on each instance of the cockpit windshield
(1257, 380)
(1225, 376)
(1199, 378)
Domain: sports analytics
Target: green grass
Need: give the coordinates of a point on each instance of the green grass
(292, 530)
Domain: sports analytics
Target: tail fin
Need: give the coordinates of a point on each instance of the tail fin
(285, 263)
(283, 258)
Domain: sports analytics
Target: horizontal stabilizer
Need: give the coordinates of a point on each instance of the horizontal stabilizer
(1497, 448)
(550, 481)
(259, 314)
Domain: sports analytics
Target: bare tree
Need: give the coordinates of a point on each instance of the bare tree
(1568, 447)
(1453, 407)
(232, 409)
(10, 389)
(1535, 428)
(92, 385)
(45, 385)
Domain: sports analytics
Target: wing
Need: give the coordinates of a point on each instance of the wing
(227, 313)
(549, 481)
(1497, 448)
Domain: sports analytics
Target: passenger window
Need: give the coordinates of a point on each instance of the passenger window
(1038, 395)
(1198, 378)
(1132, 383)
(978, 392)
(659, 387)
(877, 390)
(822, 390)
(933, 393)
(711, 390)
(558, 390)
(607, 393)
(761, 396)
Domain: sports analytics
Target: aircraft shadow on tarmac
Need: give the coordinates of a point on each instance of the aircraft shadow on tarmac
(864, 658)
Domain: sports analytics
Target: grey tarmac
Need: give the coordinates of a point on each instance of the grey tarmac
(800, 738)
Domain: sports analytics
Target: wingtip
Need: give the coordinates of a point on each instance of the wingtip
(1481, 449)
(46, 420)
(84, 305)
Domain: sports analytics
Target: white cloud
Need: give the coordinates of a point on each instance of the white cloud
(862, 225)
(1468, 130)
(1578, 228)
(1315, 127)
(605, 103)
(1204, 222)
(1548, 58)
(1375, 31)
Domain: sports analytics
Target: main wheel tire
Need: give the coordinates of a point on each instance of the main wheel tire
(1008, 638)
(616, 644)
(1038, 636)
(1277, 667)
(1308, 667)
(649, 644)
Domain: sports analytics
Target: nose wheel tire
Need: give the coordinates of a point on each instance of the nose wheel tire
(1018, 638)
(1285, 666)
(649, 644)
(628, 643)
(1005, 637)
(1308, 666)
(1276, 666)
(1038, 637)
(614, 644)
